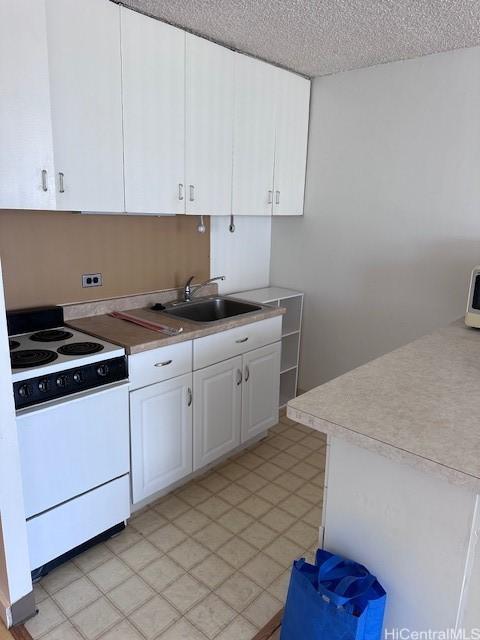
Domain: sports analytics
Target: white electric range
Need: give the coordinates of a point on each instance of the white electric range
(71, 396)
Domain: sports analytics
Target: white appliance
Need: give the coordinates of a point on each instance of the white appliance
(472, 315)
(71, 395)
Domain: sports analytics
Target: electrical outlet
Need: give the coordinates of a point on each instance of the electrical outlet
(92, 280)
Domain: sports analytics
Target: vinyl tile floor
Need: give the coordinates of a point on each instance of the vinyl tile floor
(210, 560)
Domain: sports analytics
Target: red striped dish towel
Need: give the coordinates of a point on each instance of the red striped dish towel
(147, 324)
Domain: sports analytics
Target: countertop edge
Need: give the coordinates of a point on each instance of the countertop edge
(454, 476)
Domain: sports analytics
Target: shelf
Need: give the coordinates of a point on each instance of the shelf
(292, 319)
(288, 369)
(289, 359)
(291, 333)
(288, 386)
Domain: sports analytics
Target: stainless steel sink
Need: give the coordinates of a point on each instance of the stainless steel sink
(211, 309)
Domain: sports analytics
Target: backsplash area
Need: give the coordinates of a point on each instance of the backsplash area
(44, 255)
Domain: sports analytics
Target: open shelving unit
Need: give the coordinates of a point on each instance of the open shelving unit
(292, 301)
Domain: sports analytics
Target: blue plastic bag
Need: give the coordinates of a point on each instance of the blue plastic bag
(334, 599)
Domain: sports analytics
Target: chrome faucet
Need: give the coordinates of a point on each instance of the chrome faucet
(187, 289)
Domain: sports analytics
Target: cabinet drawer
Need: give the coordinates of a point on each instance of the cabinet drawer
(159, 364)
(234, 342)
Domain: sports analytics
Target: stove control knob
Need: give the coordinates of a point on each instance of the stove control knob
(25, 391)
(78, 377)
(43, 385)
(62, 381)
(102, 370)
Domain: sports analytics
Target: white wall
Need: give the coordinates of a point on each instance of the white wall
(242, 256)
(392, 216)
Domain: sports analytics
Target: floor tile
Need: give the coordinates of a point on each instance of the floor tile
(286, 420)
(284, 550)
(214, 507)
(167, 537)
(293, 434)
(40, 593)
(317, 459)
(311, 492)
(278, 520)
(295, 506)
(289, 481)
(299, 451)
(314, 442)
(213, 536)
(191, 521)
(235, 520)
(185, 593)
(280, 442)
(252, 482)
(236, 552)
(279, 586)
(129, 595)
(77, 595)
(182, 630)
(140, 555)
(211, 615)
(212, 571)
(154, 617)
(250, 460)
(193, 494)
(266, 451)
(60, 577)
(239, 629)
(122, 631)
(110, 574)
(123, 540)
(269, 471)
(49, 616)
(273, 493)
(93, 558)
(171, 507)
(232, 470)
(66, 631)
(259, 535)
(304, 470)
(263, 570)
(233, 494)
(189, 553)
(313, 517)
(160, 573)
(148, 522)
(302, 533)
(96, 619)
(238, 591)
(214, 482)
(255, 506)
(284, 460)
(262, 609)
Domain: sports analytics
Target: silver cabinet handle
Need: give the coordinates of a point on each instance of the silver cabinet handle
(239, 377)
(163, 364)
(247, 373)
(270, 196)
(192, 192)
(277, 197)
(241, 340)
(189, 397)
(180, 191)
(44, 180)
(61, 186)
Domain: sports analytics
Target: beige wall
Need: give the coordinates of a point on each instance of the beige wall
(44, 255)
(392, 212)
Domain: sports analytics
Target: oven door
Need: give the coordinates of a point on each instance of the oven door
(72, 445)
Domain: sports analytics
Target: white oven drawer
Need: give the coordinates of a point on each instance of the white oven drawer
(234, 342)
(73, 445)
(53, 533)
(160, 364)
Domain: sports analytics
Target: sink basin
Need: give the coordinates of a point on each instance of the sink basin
(211, 309)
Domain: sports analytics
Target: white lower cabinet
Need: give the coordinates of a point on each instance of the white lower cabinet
(261, 383)
(217, 410)
(161, 435)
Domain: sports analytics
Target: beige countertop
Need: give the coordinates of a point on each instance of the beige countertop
(136, 339)
(419, 404)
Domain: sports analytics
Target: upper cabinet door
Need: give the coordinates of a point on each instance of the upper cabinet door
(153, 69)
(209, 127)
(26, 154)
(254, 136)
(86, 97)
(293, 100)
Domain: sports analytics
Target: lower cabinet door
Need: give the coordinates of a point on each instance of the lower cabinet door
(161, 435)
(217, 410)
(261, 382)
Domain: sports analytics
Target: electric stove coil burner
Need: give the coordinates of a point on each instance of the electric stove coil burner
(31, 358)
(51, 335)
(13, 344)
(80, 348)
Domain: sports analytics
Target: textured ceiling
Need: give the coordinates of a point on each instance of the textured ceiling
(326, 36)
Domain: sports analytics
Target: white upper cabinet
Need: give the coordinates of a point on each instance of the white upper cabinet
(86, 99)
(291, 125)
(254, 137)
(153, 70)
(26, 153)
(209, 127)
